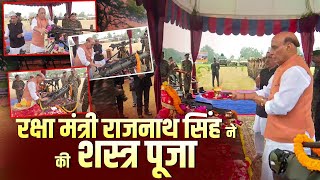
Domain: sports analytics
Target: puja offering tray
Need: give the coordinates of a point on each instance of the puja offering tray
(217, 95)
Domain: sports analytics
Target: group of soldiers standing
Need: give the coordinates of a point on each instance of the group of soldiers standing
(75, 81)
(168, 71)
(71, 22)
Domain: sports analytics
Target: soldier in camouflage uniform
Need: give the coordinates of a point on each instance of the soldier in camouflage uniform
(104, 98)
(173, 78)
(64, 81)
(73, 23)
(172, 66)
(65, 21)
(316, 93)
(164, 69)
(187, 67)
(84, 96)
(18, 85)
(146, 48)
(75, 80)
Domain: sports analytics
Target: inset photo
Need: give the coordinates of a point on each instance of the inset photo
(114, 53)
(120, 14)
(48, 92)
(43, 27)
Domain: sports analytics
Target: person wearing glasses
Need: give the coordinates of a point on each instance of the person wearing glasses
(39, 25)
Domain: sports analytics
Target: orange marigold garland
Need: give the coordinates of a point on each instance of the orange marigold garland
(173, 94)
(138, 67)
(303, 158)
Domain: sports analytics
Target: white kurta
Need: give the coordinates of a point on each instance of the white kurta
(82, 56)
(34, 48)
(258, 127)
(293, 83)
(15, 50)
(33, 90)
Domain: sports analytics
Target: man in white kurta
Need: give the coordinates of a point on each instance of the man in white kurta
(294, 88)
(38, 25)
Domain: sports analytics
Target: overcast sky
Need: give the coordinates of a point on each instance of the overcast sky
(88, 7)
(179, 39)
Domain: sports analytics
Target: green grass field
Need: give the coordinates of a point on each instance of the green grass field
(231, 78)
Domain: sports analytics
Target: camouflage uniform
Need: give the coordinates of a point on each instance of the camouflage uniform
(65, 22)
(146, 48)
(172, 66)
(187, 66)
(18, 86)
(164, 70)
(74, 25)
(104, 98)
(75, 81)
(84, 96)
(64, 81)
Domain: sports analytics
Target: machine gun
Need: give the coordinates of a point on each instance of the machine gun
(55, 95)
(60, 35)
(56, 31)
(119, 45)
(120, 65)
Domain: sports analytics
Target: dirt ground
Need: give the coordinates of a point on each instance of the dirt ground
(130, 111)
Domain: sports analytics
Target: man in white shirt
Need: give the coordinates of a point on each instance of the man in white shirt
(286, 99)
(85, 56)
(39, 25)
(31, 92)
(15, 33)
(261, 115)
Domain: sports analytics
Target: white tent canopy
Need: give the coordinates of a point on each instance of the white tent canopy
(250, 9)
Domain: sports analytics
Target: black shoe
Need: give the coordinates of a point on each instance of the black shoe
(140, 116)
(147, 113)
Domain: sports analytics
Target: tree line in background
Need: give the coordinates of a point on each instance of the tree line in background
(245, 54)
(114, 13)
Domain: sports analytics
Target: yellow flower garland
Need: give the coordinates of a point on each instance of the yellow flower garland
(247, 158)
(303, 158)
(173, 94)
(70, 111)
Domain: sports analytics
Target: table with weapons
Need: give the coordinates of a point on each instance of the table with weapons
(57, 103)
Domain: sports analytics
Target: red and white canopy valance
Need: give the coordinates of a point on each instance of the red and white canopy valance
(179, 15)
